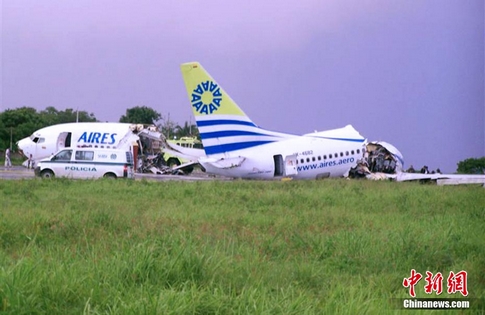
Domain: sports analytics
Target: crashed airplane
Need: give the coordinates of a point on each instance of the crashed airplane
(236, 147)
(144, 142)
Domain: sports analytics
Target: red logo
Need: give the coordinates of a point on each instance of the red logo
(457, 283)
(434, 283)
(412, 281)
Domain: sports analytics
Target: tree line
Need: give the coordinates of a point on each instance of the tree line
(16, 124)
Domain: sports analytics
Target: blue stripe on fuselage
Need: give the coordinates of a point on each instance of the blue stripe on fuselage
(340, 139)
(215, 122)
(232, 146)
(232, 133)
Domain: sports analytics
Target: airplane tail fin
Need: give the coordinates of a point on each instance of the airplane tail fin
(223, 126)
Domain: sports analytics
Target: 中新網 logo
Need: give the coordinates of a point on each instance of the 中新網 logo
(456, 282)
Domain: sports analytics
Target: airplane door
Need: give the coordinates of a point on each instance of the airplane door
(279, 166)
(286, 167)
(290, 165)
(64, 140)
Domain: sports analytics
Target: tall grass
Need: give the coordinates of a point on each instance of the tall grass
(241, 247)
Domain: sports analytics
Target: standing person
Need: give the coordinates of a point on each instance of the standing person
(8, 163)
(30, 163)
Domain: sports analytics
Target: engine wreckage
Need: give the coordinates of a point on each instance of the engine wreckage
(151, 148)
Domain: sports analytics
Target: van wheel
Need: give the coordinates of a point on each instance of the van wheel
(47, 174)
(110, 176)
(173, 162)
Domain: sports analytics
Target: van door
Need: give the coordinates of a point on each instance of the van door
(61, 164)
(83, 165)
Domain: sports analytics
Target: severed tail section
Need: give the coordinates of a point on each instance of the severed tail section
(223, 126)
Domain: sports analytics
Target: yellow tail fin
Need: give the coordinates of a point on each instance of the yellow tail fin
(223, 126)
(205, 95)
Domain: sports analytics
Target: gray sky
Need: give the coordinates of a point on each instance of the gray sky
(407, 72)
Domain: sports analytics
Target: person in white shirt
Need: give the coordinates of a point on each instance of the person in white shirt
(8, 163)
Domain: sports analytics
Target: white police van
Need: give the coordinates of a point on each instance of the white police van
(87, 163)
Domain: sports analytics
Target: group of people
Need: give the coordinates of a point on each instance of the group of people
(424, 170)
(8, 160)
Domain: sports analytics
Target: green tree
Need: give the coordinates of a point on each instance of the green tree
(141, 115)
(18, 123)
(22, 122)
(472, 166)
(188, 130)
(51, 116)
(4, 136)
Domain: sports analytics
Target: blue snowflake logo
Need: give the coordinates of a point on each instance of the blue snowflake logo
(206, 97)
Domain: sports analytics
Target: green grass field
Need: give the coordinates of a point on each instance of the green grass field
(239, 247)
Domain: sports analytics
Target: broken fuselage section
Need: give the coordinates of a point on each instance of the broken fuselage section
(380, 159)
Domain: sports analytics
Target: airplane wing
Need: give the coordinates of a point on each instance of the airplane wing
(401, 177)
(223, 163)
(184, 166)
(441, 179)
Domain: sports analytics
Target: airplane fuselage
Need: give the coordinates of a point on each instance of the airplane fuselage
(46, 141)
(305, 157)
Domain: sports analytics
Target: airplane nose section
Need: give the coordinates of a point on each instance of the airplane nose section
(24, 146)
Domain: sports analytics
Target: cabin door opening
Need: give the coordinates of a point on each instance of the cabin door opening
(64, 140)
(279, 166)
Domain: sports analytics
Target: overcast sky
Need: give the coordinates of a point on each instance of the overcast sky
(407, 72)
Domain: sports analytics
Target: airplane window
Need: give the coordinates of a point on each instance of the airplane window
(324, 157)
(297, 162)
(308, 160)
(358, 151)
(302, 161)
(313, 159)
(329, 156)
(41, 140)
(347, 153)
(352, 152)
(35, 139)
(319, 158)
(336, 155)
(341, 154)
